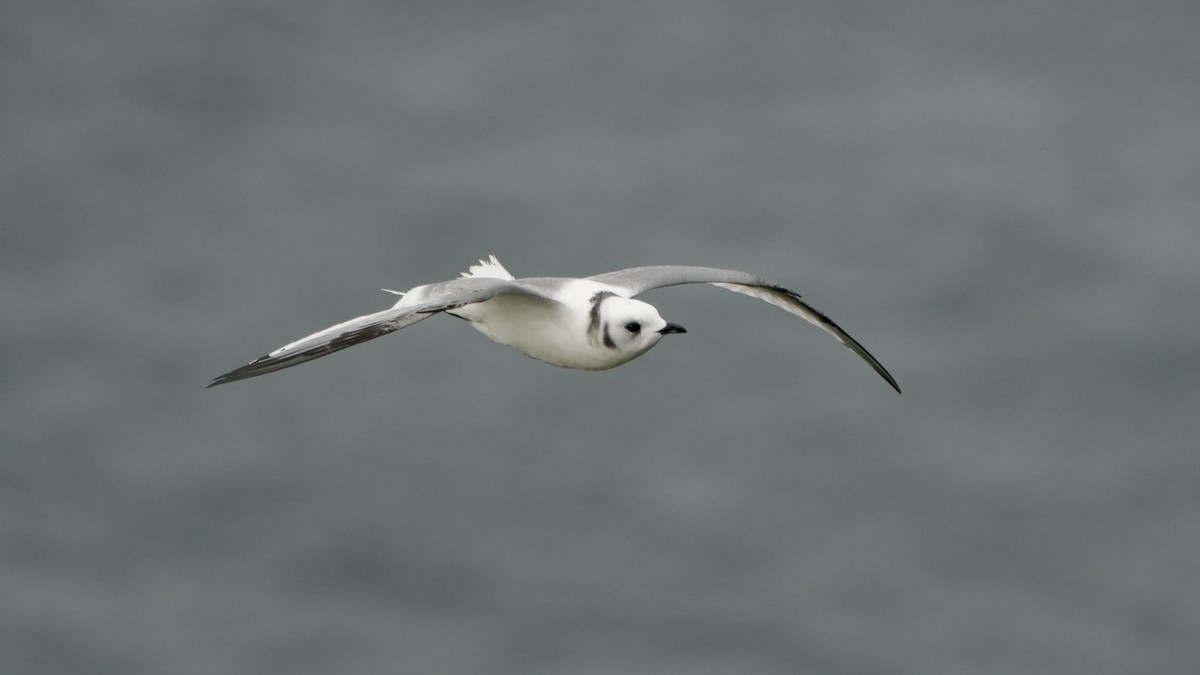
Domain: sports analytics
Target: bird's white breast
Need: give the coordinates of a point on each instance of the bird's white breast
(550, 331)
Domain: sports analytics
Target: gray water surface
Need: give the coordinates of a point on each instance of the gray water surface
(1000, 200)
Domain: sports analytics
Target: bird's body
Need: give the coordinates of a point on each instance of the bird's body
(552, 331)
(586, 324)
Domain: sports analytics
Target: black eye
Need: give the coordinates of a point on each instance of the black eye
(633, 326)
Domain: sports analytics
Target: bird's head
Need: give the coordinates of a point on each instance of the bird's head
(628, 327)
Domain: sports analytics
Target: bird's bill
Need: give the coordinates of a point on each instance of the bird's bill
(672, 328)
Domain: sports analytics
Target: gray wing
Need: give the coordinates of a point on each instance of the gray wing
(638, 280)
(420, 303)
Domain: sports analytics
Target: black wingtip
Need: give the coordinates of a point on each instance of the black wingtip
(894, 385)
(222, 379)
(247, 371)
(878, 368)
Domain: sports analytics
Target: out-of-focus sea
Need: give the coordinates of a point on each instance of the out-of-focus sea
(1000, 200)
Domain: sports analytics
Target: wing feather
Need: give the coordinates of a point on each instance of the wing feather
(637, 280)
(415, 305)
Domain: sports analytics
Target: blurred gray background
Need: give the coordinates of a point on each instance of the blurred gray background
(1000, 200)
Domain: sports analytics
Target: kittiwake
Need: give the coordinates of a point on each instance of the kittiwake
(592, 323)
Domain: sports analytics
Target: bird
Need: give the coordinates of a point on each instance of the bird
(592, 323)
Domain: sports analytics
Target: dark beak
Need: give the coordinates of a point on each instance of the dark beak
(672, 328)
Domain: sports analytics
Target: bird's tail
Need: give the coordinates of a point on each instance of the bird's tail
(487, 269)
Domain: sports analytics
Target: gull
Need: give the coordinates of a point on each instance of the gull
(588, 324)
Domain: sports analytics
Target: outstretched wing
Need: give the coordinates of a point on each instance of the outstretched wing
(418, 304)
(637, 280)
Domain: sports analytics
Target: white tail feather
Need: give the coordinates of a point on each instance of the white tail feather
(487, 269)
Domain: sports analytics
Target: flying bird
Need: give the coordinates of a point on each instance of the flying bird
(589, 324)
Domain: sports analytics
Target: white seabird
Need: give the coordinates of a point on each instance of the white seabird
(588, 324)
